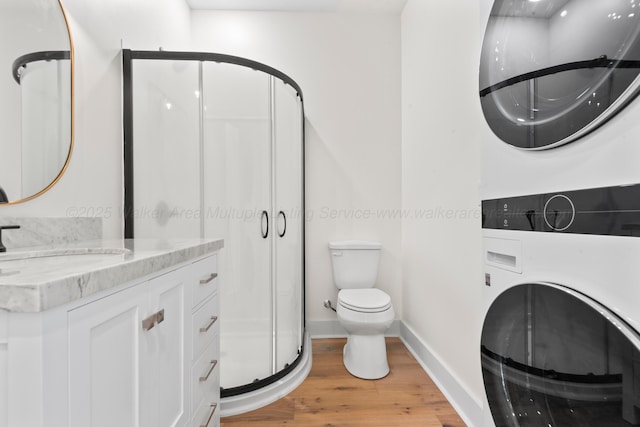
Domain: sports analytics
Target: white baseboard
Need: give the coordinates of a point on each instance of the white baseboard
(467, 407)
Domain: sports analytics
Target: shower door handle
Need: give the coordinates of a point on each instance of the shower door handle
(264, 219)
(284, 217)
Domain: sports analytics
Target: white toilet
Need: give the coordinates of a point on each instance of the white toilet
(365, 312)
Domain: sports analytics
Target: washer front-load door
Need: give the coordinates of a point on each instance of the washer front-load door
(554, 357)
(553, 70)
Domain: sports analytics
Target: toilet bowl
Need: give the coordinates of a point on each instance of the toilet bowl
(365, 314)
(363, 311)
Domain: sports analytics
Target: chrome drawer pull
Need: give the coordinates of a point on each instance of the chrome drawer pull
(160, 316)
(209, 325)
(206, 376)
(153, 320)
(149, 322)
(208, 279)
(210, 417)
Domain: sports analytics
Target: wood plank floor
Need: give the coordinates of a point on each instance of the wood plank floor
(331, 397)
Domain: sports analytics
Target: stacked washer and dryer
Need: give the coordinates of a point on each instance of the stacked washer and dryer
(560, 343)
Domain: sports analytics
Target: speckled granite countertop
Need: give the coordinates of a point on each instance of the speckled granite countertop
(43, 277)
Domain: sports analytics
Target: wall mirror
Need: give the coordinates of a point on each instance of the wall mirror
(36, 97)
(554, 70)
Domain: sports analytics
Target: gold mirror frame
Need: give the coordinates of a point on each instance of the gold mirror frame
(72, 121)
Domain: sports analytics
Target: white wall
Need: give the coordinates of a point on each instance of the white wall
(441, 253)
(92, 185)
(348, 66)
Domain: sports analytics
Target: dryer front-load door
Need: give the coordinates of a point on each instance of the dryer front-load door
(553, 70)
(553, 357)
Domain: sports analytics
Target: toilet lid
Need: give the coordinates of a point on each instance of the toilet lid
(364, 300)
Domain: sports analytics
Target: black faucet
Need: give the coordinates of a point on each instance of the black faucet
(6, 227)
(3, 196)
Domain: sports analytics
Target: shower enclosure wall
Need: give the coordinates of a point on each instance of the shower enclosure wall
(214, 148)
(37, 123)
(45, 83)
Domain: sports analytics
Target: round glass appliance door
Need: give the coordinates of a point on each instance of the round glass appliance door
(552, 357)
(552, 71)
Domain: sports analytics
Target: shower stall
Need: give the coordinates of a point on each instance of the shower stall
(214, 147)
(39, 128)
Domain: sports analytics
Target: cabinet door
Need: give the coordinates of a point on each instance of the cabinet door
(106, 352)
(4, 369)
(128, 353)
(165, 375)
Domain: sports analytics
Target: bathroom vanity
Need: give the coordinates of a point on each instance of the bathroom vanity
(111, 333)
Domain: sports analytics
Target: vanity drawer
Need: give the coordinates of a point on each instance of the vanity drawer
(206, 325)
(205, 370)
(206, 279)
(205, 378)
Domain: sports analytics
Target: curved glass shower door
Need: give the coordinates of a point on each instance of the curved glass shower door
(252, 150)
(237, 141)
(217, 151)
(288, 223)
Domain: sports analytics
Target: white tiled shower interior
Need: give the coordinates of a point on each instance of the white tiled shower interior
(392, 117)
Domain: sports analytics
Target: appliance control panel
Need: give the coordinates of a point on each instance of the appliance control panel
(603, 211)
(559, 212)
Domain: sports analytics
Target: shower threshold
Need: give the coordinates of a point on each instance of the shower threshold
(245, 402)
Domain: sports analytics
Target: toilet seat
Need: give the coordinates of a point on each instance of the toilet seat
(369, 300)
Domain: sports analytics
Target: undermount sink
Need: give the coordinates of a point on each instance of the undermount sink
(13, 263)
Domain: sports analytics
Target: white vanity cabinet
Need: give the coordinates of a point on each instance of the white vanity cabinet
(128, 354)
(121, 358)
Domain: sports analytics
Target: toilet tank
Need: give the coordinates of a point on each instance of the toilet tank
(354, 263)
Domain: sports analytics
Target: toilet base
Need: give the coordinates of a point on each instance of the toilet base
(365, 356)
